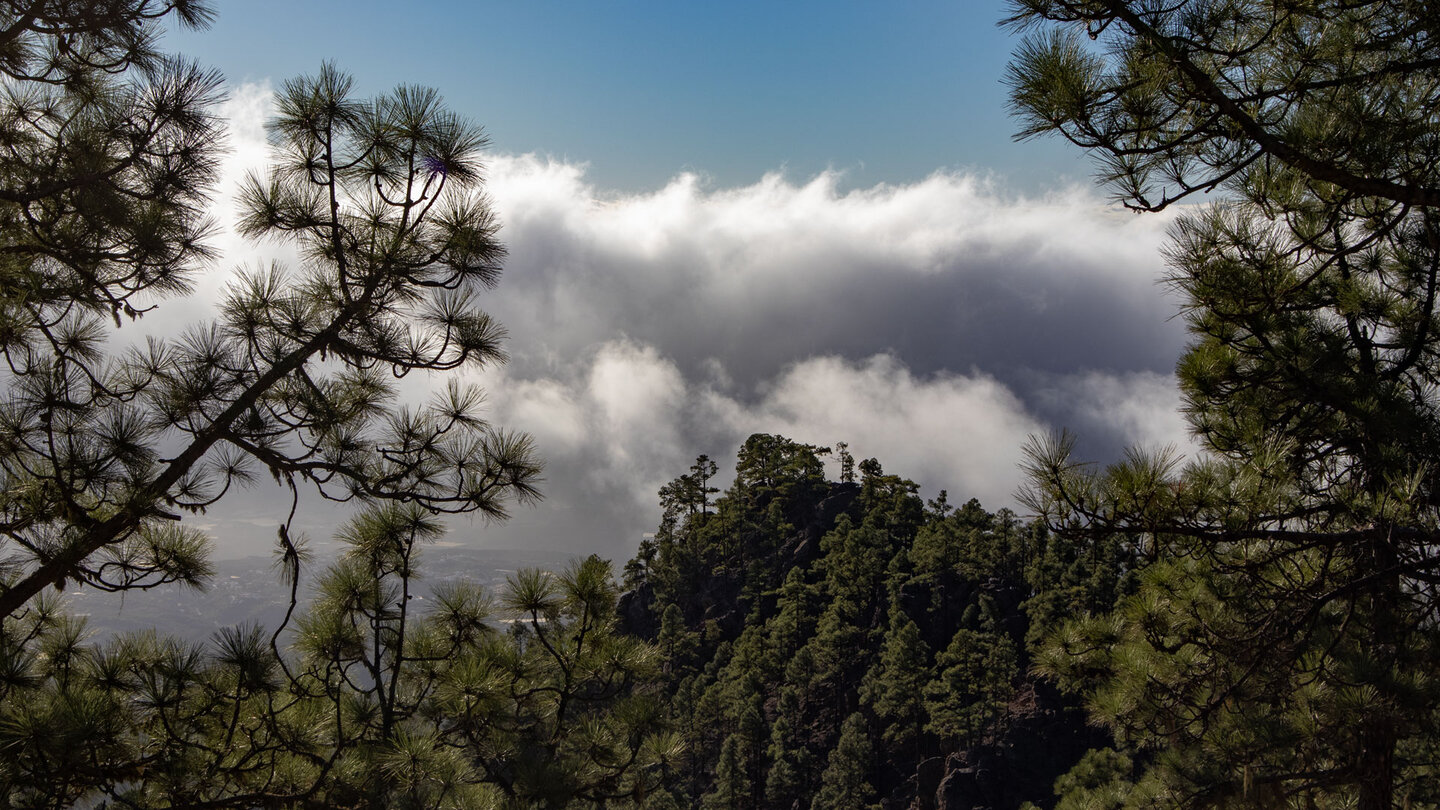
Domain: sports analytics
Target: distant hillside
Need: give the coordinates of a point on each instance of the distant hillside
(844, 643)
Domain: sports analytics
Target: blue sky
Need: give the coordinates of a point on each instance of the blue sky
(642, 89)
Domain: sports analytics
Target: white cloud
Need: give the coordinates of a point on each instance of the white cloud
(961, 432)
(625, 420)
(1143, 407)
(700, 270)
(932, 325)
(637, 398)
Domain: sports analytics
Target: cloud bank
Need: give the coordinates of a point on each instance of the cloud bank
(932, 325)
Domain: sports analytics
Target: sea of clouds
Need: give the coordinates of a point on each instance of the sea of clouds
(933, 326)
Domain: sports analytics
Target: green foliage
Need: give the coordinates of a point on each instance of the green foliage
(561, 710)
(738, 538)
(378, 704)
(975, 680)
(1325, 98)
(841, 633)
(110, 150)
(368, 696)
(733, 788)
(1280, 649)
(793, 765)
(1077, 574)
(1100, 781)
(845, 784)
(894, 687)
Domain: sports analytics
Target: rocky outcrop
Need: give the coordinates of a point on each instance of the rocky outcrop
(1044, 735)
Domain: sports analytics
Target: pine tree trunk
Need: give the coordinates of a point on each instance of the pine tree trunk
(1377, 761)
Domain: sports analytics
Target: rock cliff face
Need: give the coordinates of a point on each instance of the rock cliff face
(637, 612)
(1045, 736)
(785, 612)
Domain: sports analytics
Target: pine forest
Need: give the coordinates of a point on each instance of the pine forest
(1251, 620)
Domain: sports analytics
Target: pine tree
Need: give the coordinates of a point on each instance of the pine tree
(110, 147)
(569, 710)
(1324, 98)
(792, 770)
(974, 679)
(894, 687)
(381, 200)
(676, 643)
(733, 789)
(1283, 626)
(764, 707)
(845, 784)
(110, 150)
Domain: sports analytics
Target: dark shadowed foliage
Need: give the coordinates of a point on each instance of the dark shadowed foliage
(842, 644)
